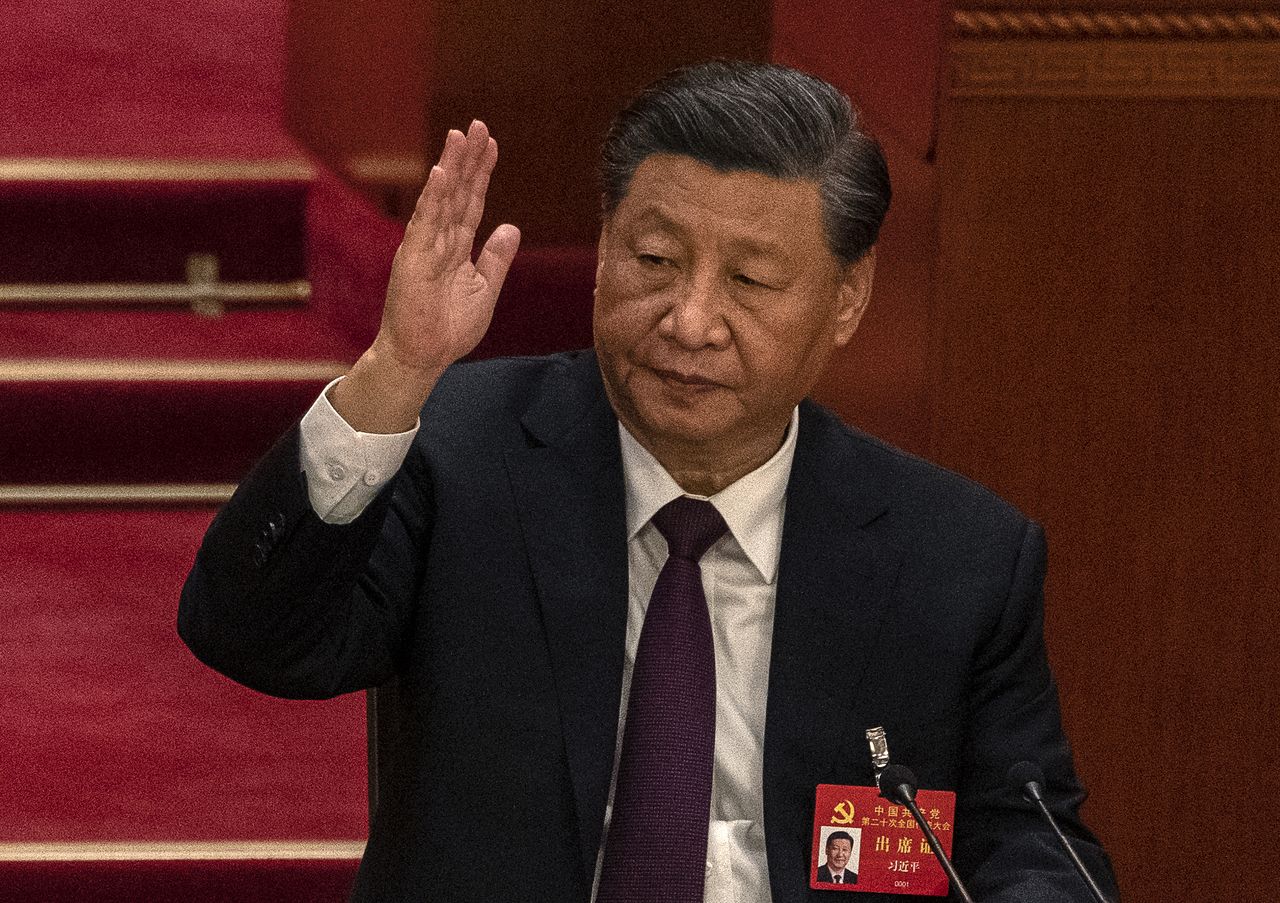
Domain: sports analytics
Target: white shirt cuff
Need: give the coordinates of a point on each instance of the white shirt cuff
(346, 469)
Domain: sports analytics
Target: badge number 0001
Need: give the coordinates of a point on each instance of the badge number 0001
(864, 843)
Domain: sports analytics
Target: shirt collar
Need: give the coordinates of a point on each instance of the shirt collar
(752, 506)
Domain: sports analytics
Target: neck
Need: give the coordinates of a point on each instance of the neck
(703, 470)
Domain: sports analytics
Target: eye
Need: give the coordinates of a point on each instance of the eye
(744, 279)
(653, 260)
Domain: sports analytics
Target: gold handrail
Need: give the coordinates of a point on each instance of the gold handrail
(203, 291)
(50, 169)
(57, 369)
(15, 495)
(293, 292)
(179, 850)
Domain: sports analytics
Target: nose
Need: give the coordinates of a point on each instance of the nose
(695, 319)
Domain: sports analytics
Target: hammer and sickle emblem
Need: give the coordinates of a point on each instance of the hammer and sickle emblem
(843, 814)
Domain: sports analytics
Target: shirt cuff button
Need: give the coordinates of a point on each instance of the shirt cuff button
(371, 478)
(336, 471)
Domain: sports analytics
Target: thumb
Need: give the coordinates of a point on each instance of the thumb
(496, 256)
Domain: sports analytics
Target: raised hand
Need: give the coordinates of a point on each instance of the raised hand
(439, 303)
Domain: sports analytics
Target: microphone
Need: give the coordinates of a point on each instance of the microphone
(1027, 778)
(898, 785)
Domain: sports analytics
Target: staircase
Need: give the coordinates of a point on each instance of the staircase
(158, 322)
(177, 282)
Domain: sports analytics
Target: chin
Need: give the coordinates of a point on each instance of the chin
(687, 427)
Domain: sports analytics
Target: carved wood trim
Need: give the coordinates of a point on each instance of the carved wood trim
(1236, 24)
(1115, 68)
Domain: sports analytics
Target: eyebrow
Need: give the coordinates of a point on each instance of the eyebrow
(757, 248)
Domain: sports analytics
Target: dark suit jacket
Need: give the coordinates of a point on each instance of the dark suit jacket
(491, 578)
(850, 876)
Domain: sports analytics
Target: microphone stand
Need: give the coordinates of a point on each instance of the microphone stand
(1029, 777)
(901, 789)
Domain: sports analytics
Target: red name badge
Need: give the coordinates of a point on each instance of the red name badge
(863, 842)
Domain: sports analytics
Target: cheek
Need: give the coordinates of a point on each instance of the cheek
(787, 349)
(624, 314)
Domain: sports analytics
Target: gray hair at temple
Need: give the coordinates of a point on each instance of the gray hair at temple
(735, 115)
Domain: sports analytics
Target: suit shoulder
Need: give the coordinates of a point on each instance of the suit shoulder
(927, 493)
(481, 397)
(498, 379)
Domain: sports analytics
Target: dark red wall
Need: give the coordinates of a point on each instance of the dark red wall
(383, 81)
(885, 55)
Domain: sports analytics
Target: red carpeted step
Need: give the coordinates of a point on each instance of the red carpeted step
(140, 221)
(182, 881)
(166, 396)
(115, 733)
(154, 396)
(148, 431)
(139, 394)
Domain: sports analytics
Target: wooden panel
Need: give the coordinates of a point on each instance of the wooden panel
(374, 86)
(548, 75)
(1104, 352)
(885, 56)
(355, 86)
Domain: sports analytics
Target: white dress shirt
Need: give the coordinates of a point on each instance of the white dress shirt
(345, 470)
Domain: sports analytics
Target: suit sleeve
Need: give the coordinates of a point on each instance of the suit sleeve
(1004, 846)
(287, 604)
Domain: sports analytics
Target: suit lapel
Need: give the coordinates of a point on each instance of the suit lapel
(834, 583)
(571, 503)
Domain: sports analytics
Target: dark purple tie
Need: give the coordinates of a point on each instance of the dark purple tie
(657, 845)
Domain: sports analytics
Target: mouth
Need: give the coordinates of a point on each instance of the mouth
(685, 380)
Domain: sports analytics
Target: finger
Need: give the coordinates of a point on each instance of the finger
(430, 231)
(460, 149)
(427, 209)
(495, 259)
(477, 142)
(480, 187)
(455, 144)
(429, 216)
(450, 164)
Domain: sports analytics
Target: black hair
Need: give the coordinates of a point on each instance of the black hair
(735, 115)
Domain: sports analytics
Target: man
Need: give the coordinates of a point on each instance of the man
(835, 870)
(595, 574)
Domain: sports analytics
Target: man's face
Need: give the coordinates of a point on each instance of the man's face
(718, 303)
(838, 852)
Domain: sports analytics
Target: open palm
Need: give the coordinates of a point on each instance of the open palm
(439, 303)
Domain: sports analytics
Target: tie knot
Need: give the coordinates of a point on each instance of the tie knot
(690, 527)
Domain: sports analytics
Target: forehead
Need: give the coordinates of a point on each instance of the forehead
(683, 195)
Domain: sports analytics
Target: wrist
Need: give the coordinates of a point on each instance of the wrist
(382, 393)
(416, 372)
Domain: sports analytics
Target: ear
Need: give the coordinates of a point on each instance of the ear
(853, 296)
(601, 243)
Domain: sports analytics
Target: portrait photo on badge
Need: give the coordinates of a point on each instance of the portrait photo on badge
(839, 851)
